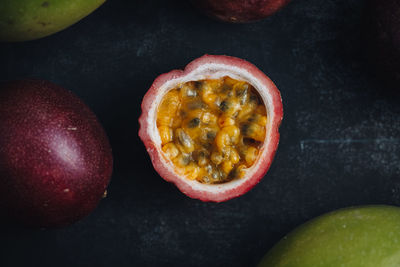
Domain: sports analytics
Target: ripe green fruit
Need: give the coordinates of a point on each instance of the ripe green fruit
(22, 20)
(366, 236)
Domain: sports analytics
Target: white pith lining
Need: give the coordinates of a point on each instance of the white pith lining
(212, 71)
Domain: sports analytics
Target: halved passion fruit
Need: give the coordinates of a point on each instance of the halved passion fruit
(212, 129)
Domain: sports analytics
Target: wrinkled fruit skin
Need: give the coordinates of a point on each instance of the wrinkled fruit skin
(212, 67)
(24, 20)
(55, 159)
(383, 39)
(367, 236)
(239, 11)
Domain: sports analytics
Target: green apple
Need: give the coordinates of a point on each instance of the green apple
(22, 20)
(367, 236)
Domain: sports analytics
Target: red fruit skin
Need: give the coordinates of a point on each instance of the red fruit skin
(155, 152)
(383, 38)
(55, 158)
(240, 11)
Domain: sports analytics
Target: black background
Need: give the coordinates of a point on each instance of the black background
(340, 136)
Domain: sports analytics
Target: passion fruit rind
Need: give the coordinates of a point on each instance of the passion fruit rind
(211, 67)
(240, 11)
(212, 130)
(55, 158)
(366, 236)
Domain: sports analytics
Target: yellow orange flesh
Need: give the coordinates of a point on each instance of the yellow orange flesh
(212, 130)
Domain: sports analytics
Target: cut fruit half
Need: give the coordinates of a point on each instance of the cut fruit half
(212, 129)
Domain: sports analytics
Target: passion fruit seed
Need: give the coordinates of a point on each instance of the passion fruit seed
(212, 130)
(194, 123)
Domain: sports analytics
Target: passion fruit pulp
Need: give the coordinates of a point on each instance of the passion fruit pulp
(239, 11)
(55, 159)
(212, 129)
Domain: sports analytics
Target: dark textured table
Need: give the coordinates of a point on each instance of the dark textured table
(340, 136)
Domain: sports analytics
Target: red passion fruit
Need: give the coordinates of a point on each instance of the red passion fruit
(240, 11)
(55, 158)
(212, 129)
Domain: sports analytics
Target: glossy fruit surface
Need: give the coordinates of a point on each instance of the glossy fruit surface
(212, 68)
(24, 20)
(55, 159)
(240, 10)
(383, 39)
(367, 236)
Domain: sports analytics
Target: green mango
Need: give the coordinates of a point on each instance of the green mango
(366, 236)
(22, 20)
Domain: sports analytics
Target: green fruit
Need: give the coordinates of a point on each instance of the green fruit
(366, 236)
(22, 20)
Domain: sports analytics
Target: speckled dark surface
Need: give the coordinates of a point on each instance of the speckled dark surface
(340, 136)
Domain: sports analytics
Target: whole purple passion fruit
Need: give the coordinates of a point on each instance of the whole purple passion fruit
(240, 11)
(55, 158)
